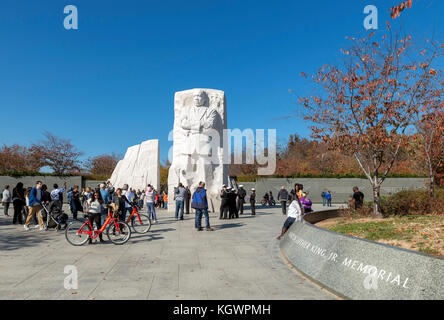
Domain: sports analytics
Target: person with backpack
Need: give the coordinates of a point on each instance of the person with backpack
(324, 197)
(35, 205)
(200, 204)
(328, 196)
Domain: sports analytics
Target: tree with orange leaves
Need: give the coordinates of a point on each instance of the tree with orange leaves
(364, 106)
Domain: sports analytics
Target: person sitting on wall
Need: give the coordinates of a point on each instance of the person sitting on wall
(295, 212)
(306, 202)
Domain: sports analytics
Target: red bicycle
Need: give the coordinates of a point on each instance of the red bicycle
(78, 232)
(140, 222)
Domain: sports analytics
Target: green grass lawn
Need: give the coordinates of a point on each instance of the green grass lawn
(421, 233)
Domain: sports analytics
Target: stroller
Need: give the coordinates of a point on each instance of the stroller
(54, 217)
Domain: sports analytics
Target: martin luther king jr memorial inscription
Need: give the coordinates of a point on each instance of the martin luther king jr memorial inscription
(198, 139)
(360, 269)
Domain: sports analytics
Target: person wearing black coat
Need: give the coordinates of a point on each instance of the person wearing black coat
(187, 200)
(224, 203)
(253, 202)
(232, 195)
(18, 201)
(241, 194)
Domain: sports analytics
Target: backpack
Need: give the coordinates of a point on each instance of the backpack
(198, 201)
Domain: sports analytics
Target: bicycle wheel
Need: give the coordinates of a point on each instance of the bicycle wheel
(118, 234)
(142, 226)
(72, 234)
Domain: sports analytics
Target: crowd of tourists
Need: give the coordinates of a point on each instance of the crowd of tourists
(28, 202)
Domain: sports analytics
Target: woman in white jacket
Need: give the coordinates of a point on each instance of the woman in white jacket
(295, 212)
(94, 208)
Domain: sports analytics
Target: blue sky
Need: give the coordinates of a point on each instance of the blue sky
(110, 84)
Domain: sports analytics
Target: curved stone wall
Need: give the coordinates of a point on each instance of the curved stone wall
(359, 269)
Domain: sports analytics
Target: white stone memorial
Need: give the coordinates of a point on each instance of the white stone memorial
(200, 117)
(139, 167)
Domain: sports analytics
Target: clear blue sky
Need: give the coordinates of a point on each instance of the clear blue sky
(110, 84)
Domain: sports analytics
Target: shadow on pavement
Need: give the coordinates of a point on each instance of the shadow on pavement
(227, 226)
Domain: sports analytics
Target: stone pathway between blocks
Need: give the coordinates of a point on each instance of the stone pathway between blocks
(239, 260)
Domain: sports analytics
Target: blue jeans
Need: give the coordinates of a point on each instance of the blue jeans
(151, 209)
(165, 204)
(129, 210)
(324, 201)
(198, 222)
(329, 202)
(179, 205)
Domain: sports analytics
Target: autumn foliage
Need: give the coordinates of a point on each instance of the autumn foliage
(364, 107)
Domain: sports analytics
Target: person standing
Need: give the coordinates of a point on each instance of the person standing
(56, 195)
(35, 205)
(179, 196)
(232, 203)
(119, 203)
(165, 200)
(129, 195)
(324, 197)
(18, 202)
(75, 200)
(224, 203)
(283, 198)
(253, 202)
(187, 200)
(328, 196)
(358, 198)
(297, 191)
(6, 200)
(46, 196)
(200, 204)
(241, 194)
(95, 207)
(150, 207)
(106, 198)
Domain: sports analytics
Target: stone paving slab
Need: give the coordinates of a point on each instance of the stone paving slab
(239, 260)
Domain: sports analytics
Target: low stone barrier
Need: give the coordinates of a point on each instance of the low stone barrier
(359, 269)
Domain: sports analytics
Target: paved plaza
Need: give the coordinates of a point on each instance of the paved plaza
(239, 260)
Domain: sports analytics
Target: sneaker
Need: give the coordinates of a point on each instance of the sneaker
(36, 226)
(42, 229)
(155, 221)
(26, 227)
(199, 229)
(210, 229)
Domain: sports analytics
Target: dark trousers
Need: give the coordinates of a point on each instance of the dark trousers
(18, 207)
(97, 218)
(284, 207)
(6, 207)
(233, 211)
(224, 212)
(253, 208)
(187, 206)
(240, 206)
